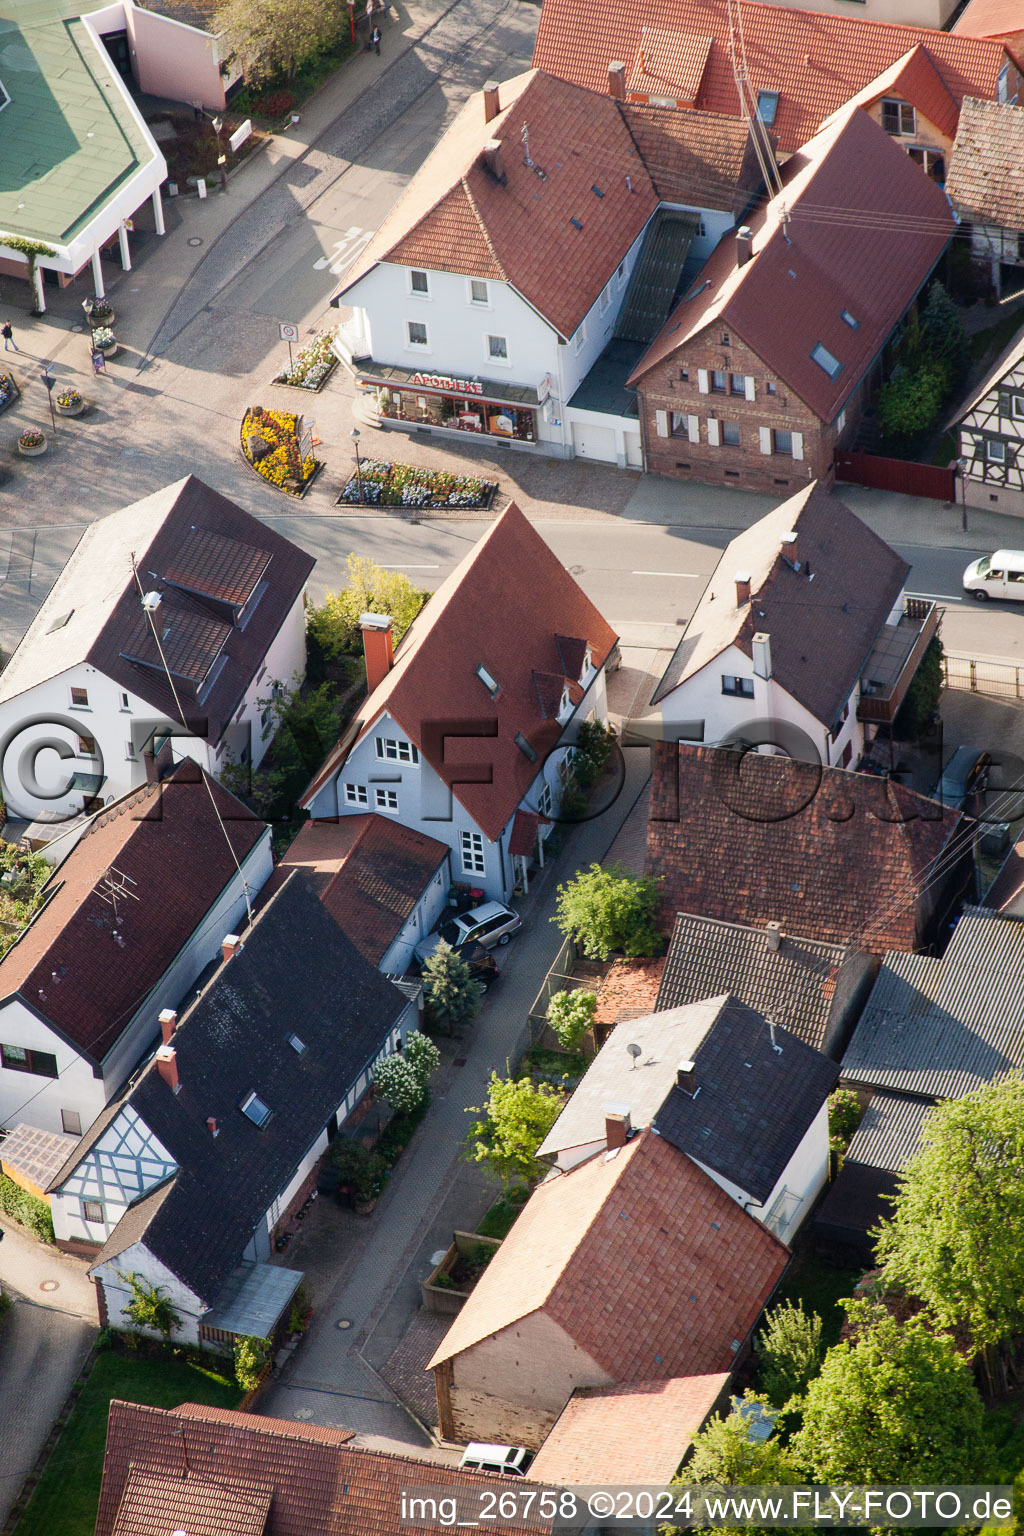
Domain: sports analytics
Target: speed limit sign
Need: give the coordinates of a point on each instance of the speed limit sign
(289, 332)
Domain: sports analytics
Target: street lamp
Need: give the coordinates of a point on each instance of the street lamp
(217, 123)
(359, 472)
(961, 465)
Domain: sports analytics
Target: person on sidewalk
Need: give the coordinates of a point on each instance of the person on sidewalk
(7, 332)
(375, 40)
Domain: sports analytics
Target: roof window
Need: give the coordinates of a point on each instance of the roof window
(297, 1045)
(525, 748)
(851, 320)
(767, 106)
(824, 359)
(60, 622)
(698, 287)
(576, 224)
(255, 1110)
(597, 191)
(493, 687)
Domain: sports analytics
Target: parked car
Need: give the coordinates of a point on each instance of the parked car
(490, 924)
(512, 1459)
(997, 575)
(964, 776)
(482, 965)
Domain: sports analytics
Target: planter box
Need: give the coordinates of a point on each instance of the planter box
(70, 410)
(439, 1298)
(15, 393)
(306, 389)
(32, 453)
(426, 507)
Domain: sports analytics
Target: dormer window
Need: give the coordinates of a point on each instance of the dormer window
(255, 1110)
(767, 106)
(491, 684)
(588, 662)
(564, 702)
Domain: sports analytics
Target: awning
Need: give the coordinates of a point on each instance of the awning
(252, 1300)
(496, 391)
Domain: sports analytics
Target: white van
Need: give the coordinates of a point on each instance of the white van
(998, 575)
(512, 1459)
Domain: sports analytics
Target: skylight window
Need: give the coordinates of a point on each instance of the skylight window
(767, 106)
(60, 622)
(575, 223)
(525, 748)
(597, 191)
(491, 684)
(698, 287)
(851, 320)
(297, 1045)
(824, 359)
(255, 1110)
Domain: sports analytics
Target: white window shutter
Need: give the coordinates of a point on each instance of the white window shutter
(713, 434)
(798, 445)
(661, 418)
(749, 386)
(702, 380)
(693, 428)
(765, 434)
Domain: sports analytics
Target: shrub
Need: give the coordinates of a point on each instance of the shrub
(274, 104)
(398, 1083)
(149, 1308)
(450, 987)
(364, 1173)
(26, 1209)
(591, 751)
(251, 1356)
(515, 1120)
(608, 909)
(422, 1055)
(922, 698)
(570, 1015)
(790, 1351)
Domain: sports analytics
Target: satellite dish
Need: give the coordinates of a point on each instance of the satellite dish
(634, 1051)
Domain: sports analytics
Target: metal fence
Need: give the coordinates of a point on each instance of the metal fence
(558, 979)
(1000, 679)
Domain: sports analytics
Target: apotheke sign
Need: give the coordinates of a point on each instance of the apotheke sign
(441, 381)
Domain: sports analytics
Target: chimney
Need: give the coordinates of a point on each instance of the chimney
(167, 1066)
(789, 549)
(151, 602)
(743, 579)
(492, 100)
(230, 945)
(686, 1077)
(617, 1125)
(761, 644)
(773, 933)
(211, 1126)
(617, 81)
(378, 649)
(743, 245)
(168, 1024)
(493, 160)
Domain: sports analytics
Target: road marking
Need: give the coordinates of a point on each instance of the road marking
(687, 575)
(345, 250)
(938, 597)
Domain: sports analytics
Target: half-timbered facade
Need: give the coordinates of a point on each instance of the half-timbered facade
(992, 437)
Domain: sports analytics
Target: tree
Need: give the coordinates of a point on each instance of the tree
(910, 402)
(922, 698)
(942, 330)
(398, 1083)
(570, 1015)
(515, 1120)
(149, 1308)
(591, 751)
(422, 1055)
(790, 1351)
(304, 727)
(894, 1404)
(955, 1239)
(724, 1455)
(251, 1356)
(450, 986)
(606, 909)
(273, 37)
(333, 627)
(843, 1115)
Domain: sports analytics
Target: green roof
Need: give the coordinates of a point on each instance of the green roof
(67, 138)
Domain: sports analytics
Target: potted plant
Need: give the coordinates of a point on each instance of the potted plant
(361, 1173)
(69, 402)
(100, 312)
(105, 340)
(32, 443)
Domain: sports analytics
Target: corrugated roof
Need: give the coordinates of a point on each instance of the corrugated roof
(942, 1028)
(890, 1132)
(985, 174)
(34, 1154)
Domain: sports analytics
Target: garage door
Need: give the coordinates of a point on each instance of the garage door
(634, 451)
(593, 442)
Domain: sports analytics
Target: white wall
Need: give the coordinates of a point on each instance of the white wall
(423, 920)
(803, 1177)
(31, 1100)
(138, 1260)
(908, 13)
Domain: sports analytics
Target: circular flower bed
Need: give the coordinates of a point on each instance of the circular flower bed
(8, 390)
(272, 446)
(69, 402)
(101, 313)
(105, 339)
(312, 366)
(32, 443)
(404, 485)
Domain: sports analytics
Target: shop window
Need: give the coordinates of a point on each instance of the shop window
(497, 349)
(419, 283)
(417, 333)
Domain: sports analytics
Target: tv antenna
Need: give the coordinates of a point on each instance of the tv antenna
(113, 887)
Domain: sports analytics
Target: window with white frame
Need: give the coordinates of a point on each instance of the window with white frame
(419, 283)
(472, 848)
(1017, 407)
(92, 1212)
(386, 799)
(1003, 85)
(579, 338)
(995, 451)
(606, 297)
(497, 349)
(544, 800)
(478, 291)
(391, 750)
(417, 333)
(254, 1109)
(355, 794)
(129, 751)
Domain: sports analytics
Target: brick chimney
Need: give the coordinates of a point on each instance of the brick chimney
(168, 1024)
(378, 649)
(617, 80)
(230, 945)
(743, 250)
(686, 1077)
(743, 579)
(493, 161)
(211, 1126)
(617, 1125)
(167, 1066)
(773, 934)
(789, 548)
(492, 100)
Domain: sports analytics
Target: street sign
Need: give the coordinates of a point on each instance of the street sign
(240, 135)
(47, 380)
(289, 332)
(305, 434)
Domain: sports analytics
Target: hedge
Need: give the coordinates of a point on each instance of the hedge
(27, 1209)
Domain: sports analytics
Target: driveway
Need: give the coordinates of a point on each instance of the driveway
(44, 1340)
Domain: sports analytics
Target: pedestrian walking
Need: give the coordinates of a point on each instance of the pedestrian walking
(7, 332)
(375, 40)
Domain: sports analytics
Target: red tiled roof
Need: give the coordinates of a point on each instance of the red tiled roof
(642, 1259)
(815, 61)
(700, 158)
(523, 837)
(153, 1503)
(68, 966)
(474, 619)
(804, 271)
(990, 18)
(985, 179)
(629, 1434)
(628, 991)
(321, 1486)
(669, 63)
(916, 79)
(845, 857)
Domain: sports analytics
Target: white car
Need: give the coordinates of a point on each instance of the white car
(490, 924)
(1000, 575)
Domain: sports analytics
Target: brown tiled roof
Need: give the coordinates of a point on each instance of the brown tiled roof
(628, 990)
(985, 177)
(701, 158)
(815, 61)
(789, 296)
(321, 1486)
(154, 1503)
(641, 1258)
(823, 619)
(227, 570)
(629, 1434)
(844, 858)
(68, 966)
(470, 621)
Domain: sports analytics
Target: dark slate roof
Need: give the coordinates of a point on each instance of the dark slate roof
(860, 1197)
(295, 973)
(795, 984)
(942, 1028)
(755, 1102)
(890, 1132)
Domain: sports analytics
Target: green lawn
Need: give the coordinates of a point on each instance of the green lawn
(502, 1214)
(819, 1288)
(66, 1498)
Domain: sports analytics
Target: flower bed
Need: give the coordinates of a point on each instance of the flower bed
(405, 485)
(271, 445)
(69, 402)
(9, 390)
(312, 366)
(32, 443)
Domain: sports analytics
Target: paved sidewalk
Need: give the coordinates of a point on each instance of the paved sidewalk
(45, 1275)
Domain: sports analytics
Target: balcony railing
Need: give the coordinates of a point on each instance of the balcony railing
(896, 657)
